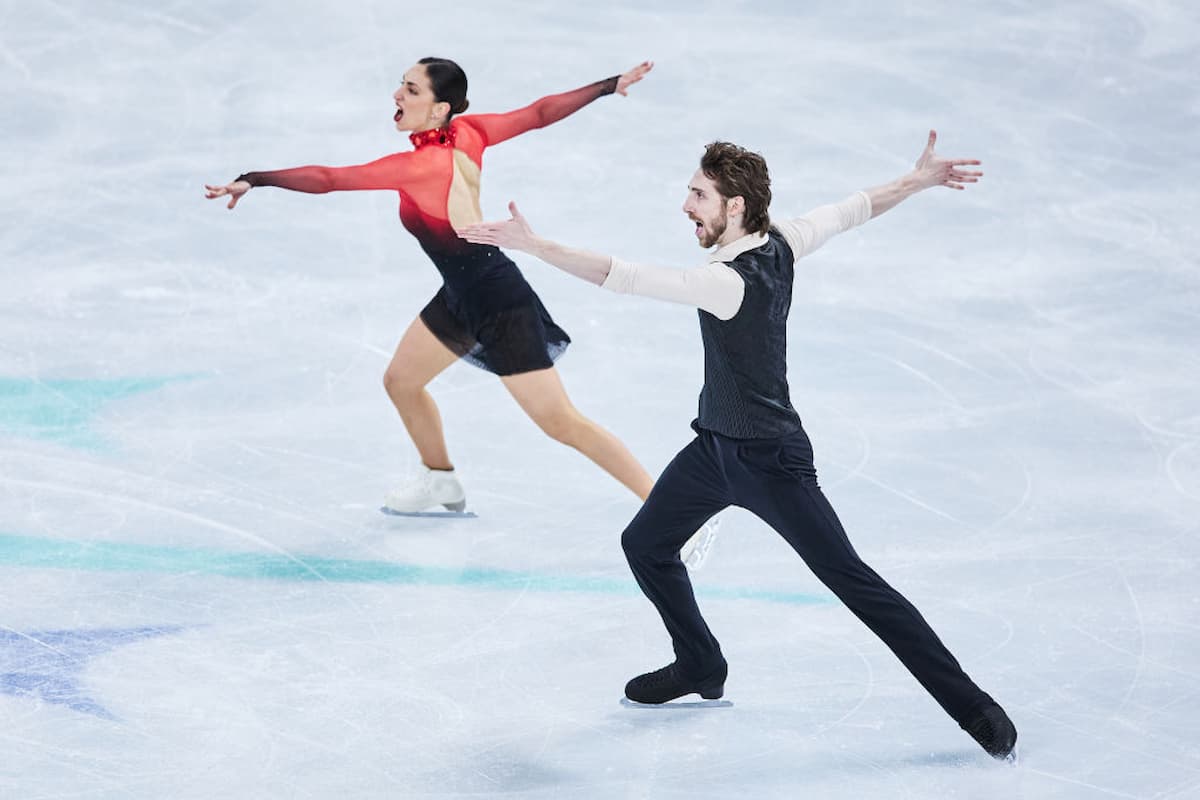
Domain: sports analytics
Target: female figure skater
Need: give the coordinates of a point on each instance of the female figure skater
(485, 311)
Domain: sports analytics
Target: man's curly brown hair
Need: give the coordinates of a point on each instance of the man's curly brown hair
(737, 172)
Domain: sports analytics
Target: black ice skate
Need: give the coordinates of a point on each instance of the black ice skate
(995, 733)
(670, 683)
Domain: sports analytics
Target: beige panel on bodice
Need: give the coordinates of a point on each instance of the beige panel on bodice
(463, 202)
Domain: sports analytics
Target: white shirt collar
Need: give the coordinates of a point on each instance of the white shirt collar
(735, 248)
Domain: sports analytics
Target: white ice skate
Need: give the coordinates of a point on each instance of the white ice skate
(429, 489)
(696, 549)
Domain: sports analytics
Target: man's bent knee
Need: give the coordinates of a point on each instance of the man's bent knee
(633, 542)
(641, 542)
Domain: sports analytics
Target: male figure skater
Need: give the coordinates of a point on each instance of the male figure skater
(750, 449)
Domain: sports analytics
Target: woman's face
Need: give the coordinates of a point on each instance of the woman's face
(416, 107)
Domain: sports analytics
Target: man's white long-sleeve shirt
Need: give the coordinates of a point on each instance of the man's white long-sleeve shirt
(716, 287)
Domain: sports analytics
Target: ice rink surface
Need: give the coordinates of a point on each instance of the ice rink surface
(199, 598)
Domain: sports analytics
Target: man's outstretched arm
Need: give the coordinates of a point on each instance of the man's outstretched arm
(714, 287)
(807, 233)
(516, 234)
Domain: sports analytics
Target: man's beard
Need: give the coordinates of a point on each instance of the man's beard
(707, 239)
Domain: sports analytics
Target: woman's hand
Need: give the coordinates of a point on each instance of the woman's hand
(633, 76)
(235, 191)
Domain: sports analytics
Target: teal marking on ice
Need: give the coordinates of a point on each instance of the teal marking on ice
(62, 410)
(28, 551)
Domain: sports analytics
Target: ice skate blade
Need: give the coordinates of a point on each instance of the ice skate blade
(1012, 759)
(677, 705)
(391, 512)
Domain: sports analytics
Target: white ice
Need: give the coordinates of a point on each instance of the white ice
(199, 598)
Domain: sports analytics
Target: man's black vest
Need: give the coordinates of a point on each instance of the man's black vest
(745, 394)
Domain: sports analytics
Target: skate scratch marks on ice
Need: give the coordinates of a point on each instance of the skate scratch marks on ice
(100, 556)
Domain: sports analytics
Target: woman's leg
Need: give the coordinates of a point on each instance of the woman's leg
(542, 396)
(418, 359)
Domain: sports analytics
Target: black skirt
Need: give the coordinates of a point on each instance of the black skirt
(496, 321)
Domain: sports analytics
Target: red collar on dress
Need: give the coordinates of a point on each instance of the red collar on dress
(442, 137)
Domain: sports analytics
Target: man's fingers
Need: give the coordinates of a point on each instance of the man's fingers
(483, 232)
(932, 141)
(927, 153)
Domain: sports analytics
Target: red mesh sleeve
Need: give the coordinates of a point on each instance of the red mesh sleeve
(495, 128)
(389, 172)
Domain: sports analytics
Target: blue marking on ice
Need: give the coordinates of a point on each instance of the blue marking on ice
(49, 664)
(63, 410)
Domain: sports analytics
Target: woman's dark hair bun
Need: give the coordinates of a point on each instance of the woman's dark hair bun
(449, 82)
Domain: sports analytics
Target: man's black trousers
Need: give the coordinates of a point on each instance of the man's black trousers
(775, 479)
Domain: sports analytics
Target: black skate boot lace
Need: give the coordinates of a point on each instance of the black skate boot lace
(984, 732)
(658, 678)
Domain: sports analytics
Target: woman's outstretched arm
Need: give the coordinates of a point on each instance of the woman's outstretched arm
(389, 172)
(498, 127)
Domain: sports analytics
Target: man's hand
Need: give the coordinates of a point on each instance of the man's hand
(933, 170)
(633, 76)
(514, 234)
(930, 170)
